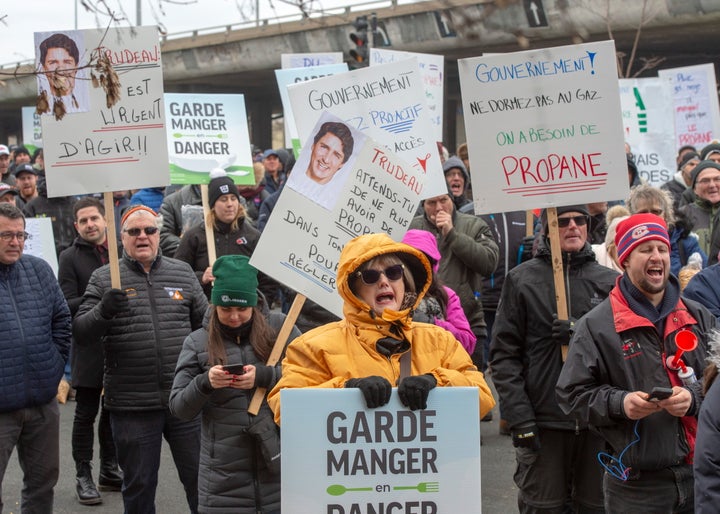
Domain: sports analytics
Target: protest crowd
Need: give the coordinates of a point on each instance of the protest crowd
(610, 406)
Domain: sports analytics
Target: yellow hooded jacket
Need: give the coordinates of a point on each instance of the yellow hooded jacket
(330, 355)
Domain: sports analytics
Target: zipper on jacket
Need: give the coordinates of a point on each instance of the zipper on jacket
(153, 310)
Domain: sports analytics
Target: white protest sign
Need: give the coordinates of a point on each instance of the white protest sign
(432, 70)
(695, 103)
(119, 147)
(340, 458)
(387, 102)
(310, 59)
(648, 126)
(31, 129)
(205, 132)
(41, 242)
(289, 76)
(544, 127)
(373, 191)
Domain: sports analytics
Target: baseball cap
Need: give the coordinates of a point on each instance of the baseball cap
(269, 152)
(4, 150)
(7, 189)
(23, 168)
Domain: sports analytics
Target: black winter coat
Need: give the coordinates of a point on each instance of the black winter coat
(142, 345)
(74, 270)
(525, 359)
(233, 476)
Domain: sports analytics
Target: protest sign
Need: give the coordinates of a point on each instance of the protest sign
(648, 128)
(31, 129)
(544, 127)
(373, 191)
(289, 76)
(205, 132)
(310, 59)
(387, 102)
(695, 104)
(101, 148)
(432, 70)
(340, 458)
(41, 242)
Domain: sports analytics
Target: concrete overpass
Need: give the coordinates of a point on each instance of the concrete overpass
(241, 58)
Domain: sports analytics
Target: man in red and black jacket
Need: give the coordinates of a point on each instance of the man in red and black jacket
(619, 354)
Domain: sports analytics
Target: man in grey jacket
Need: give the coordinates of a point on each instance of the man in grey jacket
(142, 328)
(469, 253)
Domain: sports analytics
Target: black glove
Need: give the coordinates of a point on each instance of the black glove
(413, 391)
(263, 375)
(376, 390)
(562, 329)
(526, 436)
(114, 301)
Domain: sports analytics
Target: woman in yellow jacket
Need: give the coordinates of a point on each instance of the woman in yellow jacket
(381, 282)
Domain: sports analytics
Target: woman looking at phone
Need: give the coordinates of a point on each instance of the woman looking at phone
(217, 372)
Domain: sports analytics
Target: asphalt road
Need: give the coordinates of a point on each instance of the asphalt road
(498, 491)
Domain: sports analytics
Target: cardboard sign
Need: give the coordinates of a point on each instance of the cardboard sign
(695, 103)
(285, 77)
(432, 70)
(387, 102)
(340, 458)
(31, 129)
(100, 148)
(373, 191)
(41, 242)
(205, 132)
(648, 124)
(544, 128)
(310, 60)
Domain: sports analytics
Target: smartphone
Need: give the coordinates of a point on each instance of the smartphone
(660, 393)
(235, 369)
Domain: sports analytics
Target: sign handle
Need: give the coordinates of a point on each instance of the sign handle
(278, 348)
(556, 252)
(112, 240)
(529, 223)
(209, 230)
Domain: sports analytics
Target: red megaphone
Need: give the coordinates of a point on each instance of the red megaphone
(686, 341)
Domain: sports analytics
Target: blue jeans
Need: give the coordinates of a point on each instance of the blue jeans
(36, 433)
(138, 439)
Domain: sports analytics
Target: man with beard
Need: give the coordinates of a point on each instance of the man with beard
(26, 181)
(554, 453)
(617, 369)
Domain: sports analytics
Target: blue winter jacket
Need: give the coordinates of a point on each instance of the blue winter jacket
(35, 337)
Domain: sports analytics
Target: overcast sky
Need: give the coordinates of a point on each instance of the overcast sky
(20, 18)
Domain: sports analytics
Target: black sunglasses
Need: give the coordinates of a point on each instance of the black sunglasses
(371, 276)
(134, 232)
(579, 221)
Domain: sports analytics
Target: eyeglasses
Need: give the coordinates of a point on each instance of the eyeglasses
(8, 236)
(134, 232)
(708, 180)
(371, 276)
(579, 221)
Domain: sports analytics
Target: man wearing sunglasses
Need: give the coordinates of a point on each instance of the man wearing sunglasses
(142, 327)
(556, 456)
